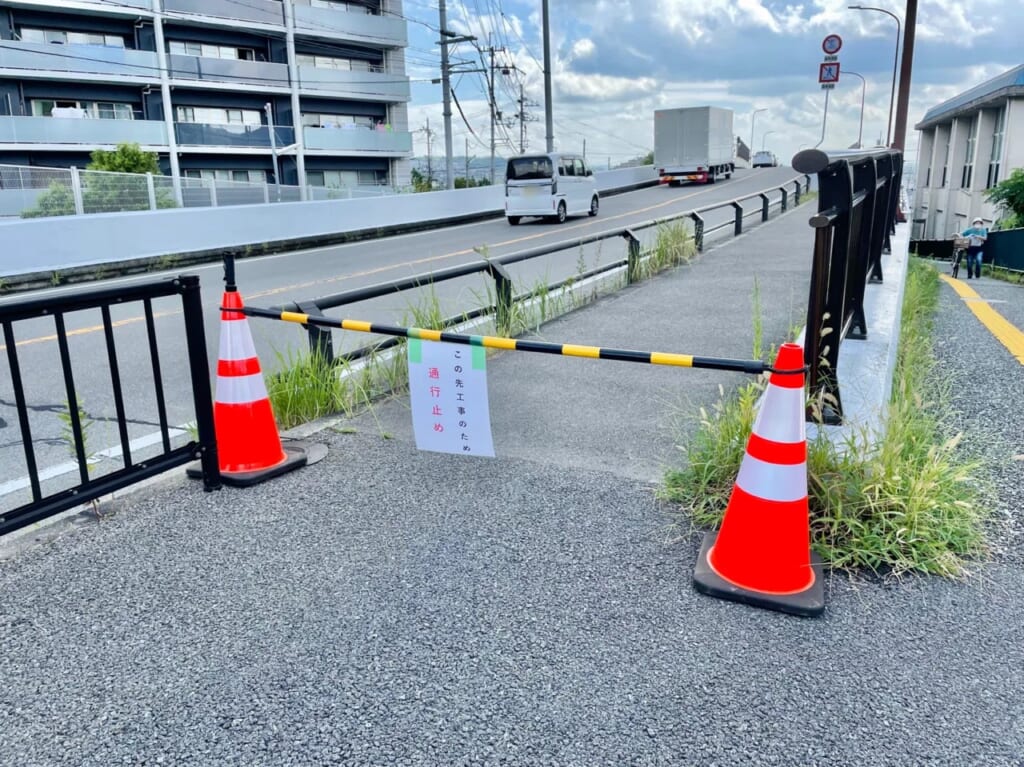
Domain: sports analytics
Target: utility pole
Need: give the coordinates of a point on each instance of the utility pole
(448, 38)
(490, 89)
(430, 166)
(549, 118)
(467, 162)
(446, 99)
(906, 65)
(522, 121)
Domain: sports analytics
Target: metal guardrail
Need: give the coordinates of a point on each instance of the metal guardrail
(88, 488)
(858, 192)
(320, 340)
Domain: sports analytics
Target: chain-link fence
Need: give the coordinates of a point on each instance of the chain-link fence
(31, 192)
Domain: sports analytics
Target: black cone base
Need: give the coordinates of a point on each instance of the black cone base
(295, 459)
(808, 603)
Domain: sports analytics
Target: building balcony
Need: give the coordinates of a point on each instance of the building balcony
(209, 134)
(269, 12)
(234, 71)
(119, 7)
(357, 139)
(35, 61)
(379, 31)
(367, 86)
(57, 130)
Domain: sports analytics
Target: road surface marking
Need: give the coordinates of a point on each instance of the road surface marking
(1006, 333)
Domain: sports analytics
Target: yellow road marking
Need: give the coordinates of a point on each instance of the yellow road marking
(1006, 333)
(369, 272)
(90, 329)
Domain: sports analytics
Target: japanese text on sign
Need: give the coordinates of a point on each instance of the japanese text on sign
(448, 395)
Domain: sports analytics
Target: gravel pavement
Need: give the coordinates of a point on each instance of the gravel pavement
(391, 607)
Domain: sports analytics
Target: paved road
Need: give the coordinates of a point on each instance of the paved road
(289, 277)
(392, 607)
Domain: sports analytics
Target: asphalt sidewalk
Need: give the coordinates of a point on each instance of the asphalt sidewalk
(393, 607)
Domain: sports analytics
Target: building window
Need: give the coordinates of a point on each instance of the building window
(243, 176)
(218, 116)
(99, 110)
(335, 62)
(968, 172)
(338, 121)
(62, 37)
(340, 179)
(342, 5)
(997, 149)
(945, 160)
(209, 51)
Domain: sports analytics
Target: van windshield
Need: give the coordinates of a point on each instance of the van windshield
(524, 168)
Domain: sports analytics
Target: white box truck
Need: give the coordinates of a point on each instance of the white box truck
(694, 144)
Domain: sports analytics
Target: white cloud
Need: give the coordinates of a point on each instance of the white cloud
(621, 59)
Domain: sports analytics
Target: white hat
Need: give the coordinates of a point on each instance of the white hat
(977, 220)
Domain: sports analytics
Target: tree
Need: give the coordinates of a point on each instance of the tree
(1008, 194)
(420, 183)
(107, 194)
(126, 158)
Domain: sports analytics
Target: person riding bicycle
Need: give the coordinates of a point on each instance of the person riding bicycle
(976, 235)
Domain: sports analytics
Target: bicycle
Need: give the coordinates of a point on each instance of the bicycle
(959, 249)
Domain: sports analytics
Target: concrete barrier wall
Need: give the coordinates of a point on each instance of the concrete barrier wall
(70, 242)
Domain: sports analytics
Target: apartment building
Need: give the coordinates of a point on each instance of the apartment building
(967, 144)
(307, 92)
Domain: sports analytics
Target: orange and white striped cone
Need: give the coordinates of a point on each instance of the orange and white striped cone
(249, 448)
(762, 555)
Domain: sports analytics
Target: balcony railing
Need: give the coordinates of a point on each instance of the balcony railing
(78, 62)
(55, 130)
(370, 86)
(258, 11)
(237, 71)
(210, 134)
(357, 139)
(350, 25)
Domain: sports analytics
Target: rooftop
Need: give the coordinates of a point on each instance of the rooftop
(1009, 83)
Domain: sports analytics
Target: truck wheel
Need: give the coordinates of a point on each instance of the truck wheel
(513, 220)
(560, 215)
(594, 204)
(711, 177)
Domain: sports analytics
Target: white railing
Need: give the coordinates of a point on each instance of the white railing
(31, 192)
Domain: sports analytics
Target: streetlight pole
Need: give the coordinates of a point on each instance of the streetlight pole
(766, 134)
(753, 117)
(863, 90)
(895, 61)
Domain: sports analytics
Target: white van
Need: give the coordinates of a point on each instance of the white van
(549, 185)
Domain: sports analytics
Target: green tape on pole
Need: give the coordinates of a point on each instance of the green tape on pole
(415, 350)
(479, 358)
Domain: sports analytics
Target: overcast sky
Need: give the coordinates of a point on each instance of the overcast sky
(615, 61)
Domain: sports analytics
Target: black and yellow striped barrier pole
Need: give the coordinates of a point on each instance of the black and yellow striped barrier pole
(754, 367)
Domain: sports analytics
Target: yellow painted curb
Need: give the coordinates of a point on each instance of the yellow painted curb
(1006, 333)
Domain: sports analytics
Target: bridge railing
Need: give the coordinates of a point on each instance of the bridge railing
(48, 494)
(320, 339)
(858, 193)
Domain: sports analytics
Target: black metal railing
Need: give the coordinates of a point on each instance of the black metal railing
(320, 339)
(858, 192)
(44, 504)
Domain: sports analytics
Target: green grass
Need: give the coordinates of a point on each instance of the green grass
(908, 502)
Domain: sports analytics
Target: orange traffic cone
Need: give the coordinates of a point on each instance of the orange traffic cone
(762, 555)
(248, 446)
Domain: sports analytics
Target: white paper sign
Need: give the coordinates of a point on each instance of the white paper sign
(448, 395)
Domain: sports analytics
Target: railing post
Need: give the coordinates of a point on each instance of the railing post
(738, 229)
(76, 190)
(266, 191)
(195, 340)
(764, 206)
(796, 193)
(632, 257)
(321, 343)
(213, 193)
(503, 298)
(698, 231)
(152, 191)
(785, 198)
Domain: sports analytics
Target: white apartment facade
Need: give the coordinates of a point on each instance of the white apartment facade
(967, 145)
